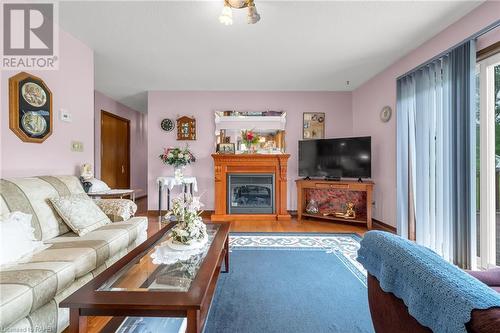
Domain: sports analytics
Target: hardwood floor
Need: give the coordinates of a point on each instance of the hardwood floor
(96, 324)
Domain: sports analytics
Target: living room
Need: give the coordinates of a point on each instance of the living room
(250, 166)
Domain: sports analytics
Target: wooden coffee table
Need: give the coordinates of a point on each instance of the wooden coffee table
(135, 286)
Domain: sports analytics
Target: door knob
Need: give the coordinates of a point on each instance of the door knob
(123, 169)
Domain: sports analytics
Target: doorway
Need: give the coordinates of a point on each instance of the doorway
(115, 150)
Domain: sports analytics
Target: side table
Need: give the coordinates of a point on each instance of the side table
(170, 182)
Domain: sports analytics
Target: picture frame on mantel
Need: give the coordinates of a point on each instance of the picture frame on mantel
(313, 125)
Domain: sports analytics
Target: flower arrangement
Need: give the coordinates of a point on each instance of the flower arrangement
(249, 137)
(190, 228)
(177, 157)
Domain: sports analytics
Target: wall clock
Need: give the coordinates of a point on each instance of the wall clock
(30, 108)
(186, 128)
(167, 125)
(385, 114)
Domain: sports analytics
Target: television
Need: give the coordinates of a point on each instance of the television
(335, 158)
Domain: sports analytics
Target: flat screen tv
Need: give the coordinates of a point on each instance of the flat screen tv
(336, 158)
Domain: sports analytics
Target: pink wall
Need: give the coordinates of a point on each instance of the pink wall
(138, 139)
(72, 89)
(162, 104)
(369, 99)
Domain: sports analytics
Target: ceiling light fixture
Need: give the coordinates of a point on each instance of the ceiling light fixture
(226, 16)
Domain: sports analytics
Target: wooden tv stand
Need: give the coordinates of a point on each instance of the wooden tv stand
(364, 188)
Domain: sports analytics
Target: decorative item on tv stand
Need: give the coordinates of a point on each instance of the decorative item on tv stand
(349, 213)
(178, 158)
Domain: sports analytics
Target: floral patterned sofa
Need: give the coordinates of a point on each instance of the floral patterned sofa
(31, 290)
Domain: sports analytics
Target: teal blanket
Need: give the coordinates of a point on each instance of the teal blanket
(438, 294)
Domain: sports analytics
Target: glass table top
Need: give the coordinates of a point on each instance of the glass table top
(160, 268)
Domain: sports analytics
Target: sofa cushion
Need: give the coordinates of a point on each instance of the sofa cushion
(30, 195)
(92, 250)
(117, 209)
(29, 286)
(80, 213)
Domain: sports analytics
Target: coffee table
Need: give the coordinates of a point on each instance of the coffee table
(135, 286)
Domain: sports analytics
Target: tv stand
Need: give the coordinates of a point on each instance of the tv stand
(364, 190)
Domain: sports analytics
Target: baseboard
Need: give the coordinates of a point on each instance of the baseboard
(384, 226)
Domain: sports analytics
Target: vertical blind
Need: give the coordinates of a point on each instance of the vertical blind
(436, 171)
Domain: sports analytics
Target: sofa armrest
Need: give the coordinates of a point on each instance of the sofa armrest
(117, 209)
(490, 277)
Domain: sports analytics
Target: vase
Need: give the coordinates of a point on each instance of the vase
(179, 173)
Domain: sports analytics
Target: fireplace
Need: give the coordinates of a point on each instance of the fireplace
(250, 193)
(250, 187)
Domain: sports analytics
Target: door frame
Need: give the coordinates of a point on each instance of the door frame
(127, 121)
(487, 220)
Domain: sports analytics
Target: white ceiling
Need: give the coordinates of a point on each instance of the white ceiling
(309, 45)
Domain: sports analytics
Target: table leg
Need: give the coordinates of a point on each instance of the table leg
(184, 191)
(168, 199)
(77, 323)
(191, 189)
(159, 199)
(193, 321)
(133, 196)
(226, 256)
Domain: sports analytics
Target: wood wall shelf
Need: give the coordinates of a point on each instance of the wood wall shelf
(225, 164)
(365, 189)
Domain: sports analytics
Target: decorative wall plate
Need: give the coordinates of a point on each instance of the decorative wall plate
(30, 108)
(167, 125)
(385, 114)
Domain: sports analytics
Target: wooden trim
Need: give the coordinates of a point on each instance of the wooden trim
(129, 153)
(384, 226)
(488, 51)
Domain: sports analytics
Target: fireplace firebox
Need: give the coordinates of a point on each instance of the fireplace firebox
(250, 193)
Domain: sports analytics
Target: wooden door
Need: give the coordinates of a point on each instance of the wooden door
(115, 150)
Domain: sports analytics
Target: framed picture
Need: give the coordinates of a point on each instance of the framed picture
(186, 128)
(225, 148)
(30, 108)
(313, 125)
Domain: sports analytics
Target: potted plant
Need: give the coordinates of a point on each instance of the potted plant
(249, 138)
(178, 158)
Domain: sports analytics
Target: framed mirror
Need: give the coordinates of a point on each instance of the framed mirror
(266, 129)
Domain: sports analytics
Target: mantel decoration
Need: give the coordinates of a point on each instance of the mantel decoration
(178, 158)
(249, 138)
(30, 108)
(190, 231)
(226, 17)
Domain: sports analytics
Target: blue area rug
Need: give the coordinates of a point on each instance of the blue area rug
(293, 283)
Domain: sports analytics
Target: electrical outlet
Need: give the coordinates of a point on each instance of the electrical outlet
(77, 146)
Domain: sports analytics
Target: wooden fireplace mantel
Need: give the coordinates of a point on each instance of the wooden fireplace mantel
(225, 164)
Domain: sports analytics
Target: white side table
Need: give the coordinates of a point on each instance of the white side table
(114, 193)
(170, 182)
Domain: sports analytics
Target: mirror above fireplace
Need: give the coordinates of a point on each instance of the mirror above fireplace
(267, 126)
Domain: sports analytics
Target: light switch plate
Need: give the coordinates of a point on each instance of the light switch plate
(77, 146)
(65, 115)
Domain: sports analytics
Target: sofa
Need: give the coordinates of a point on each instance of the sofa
(413, 289)
(31, 290)
(390, 314)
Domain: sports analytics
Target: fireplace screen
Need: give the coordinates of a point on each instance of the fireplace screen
(250, 194)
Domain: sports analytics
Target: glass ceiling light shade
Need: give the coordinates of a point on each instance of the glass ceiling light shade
(226, 16)
(253, 17)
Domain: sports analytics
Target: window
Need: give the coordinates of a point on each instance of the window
(489, 162)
